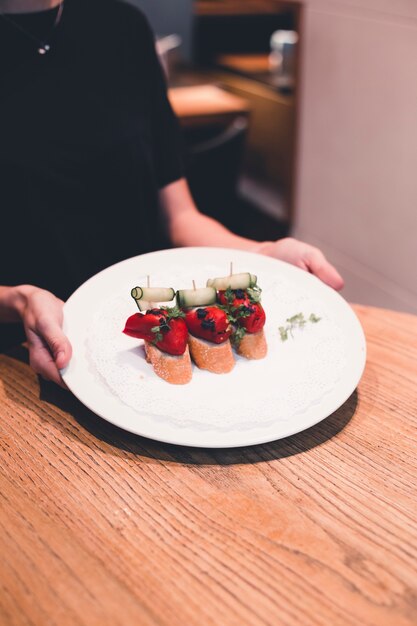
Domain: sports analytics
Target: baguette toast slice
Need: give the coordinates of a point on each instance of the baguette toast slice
(176, 370)
(253, 345)
(217, 358)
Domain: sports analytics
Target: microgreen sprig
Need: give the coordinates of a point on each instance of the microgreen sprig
(296, 321)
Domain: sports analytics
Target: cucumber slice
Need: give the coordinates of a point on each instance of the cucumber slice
(196, 297)
(235, 281)
(144, 305)
(153, 294)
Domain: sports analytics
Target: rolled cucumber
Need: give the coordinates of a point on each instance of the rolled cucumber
(234, 281)
(152, 294)
(196, 297)
(144, 305)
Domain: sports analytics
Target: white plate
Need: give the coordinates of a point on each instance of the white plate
(299, 383)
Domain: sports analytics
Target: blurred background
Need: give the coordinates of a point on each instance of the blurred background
(299, 118)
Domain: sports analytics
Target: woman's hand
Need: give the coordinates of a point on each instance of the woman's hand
(305, 256)
(188, 227)
(42, 316)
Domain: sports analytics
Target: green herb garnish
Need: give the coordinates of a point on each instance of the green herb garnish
(237, 335)
(158, 334)
(229, 316)
(229, 294)
(173, 312)
(241, 311)
(254, 294)
(296, 321)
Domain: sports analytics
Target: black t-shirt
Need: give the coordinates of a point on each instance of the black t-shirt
(87, 137)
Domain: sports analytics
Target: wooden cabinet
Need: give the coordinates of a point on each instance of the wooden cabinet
(270, 152)
(241, 7)
(233, 39)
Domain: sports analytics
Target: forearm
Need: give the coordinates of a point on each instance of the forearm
(188, 227)
(13, 301)
(196, 229)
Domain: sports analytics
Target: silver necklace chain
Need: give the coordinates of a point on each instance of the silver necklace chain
(43, 46)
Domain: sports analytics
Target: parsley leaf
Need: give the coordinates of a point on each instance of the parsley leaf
(237, 335)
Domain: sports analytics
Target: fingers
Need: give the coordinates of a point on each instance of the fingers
(49, 348)
(306, 257)
(55, 340)
(318, 265)
(49, 351)
(43, 363)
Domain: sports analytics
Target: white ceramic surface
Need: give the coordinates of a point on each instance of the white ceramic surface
(235, 418)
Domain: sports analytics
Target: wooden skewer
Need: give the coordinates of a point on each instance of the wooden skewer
(148, 284)
(194, 287)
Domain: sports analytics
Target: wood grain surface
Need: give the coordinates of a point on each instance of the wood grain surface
(242, 7)
(98, 526)
(200, 105)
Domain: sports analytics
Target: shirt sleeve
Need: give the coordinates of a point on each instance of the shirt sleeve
(167, 144)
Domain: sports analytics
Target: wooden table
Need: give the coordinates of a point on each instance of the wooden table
(102, 527)
(202, 105)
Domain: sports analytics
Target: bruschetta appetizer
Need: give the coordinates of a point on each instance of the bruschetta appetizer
(209, 330)
(240, 295)
(165, 334)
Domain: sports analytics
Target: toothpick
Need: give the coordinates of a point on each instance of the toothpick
(231, 268)
(194, 287)
(148, 284)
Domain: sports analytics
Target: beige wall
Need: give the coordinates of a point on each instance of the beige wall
(357, 155)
